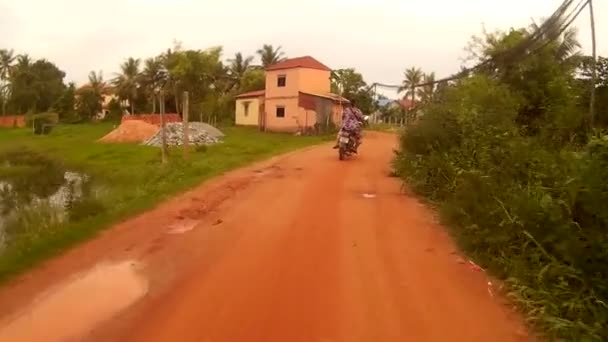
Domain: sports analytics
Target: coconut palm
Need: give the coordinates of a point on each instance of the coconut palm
(96, 81)
(24, 61)
(427, 92)
(269, 55)
(412, 77)
(152, 78)
(7, 59)
(126, 82)
(238, 66)
(568, 46)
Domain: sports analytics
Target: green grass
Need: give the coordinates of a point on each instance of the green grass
(132, 177)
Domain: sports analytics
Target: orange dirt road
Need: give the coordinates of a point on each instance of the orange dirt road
(302, 247)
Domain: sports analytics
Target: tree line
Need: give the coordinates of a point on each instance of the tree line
(28, 86)
(35, 86)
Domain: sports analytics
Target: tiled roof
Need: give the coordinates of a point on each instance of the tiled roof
(331, 96)
(406, 103)
(256, 93)
(300, 62)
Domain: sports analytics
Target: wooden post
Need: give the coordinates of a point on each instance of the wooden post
(163, 133)
(186, 143)
(593, 67)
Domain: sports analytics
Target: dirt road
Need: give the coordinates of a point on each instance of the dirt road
(299, 248)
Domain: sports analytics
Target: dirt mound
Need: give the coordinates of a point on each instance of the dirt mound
(132, 131)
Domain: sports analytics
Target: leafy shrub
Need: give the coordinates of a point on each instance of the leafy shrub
(532, 212)
(42, 123)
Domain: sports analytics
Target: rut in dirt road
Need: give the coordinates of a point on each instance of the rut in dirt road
(301, 248)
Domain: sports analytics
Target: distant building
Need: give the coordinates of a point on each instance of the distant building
(297, 98)
(107, 95)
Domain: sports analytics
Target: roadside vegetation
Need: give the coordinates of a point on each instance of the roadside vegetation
(518, 169)
(45, 211)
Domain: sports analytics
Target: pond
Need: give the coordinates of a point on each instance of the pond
(38, 193)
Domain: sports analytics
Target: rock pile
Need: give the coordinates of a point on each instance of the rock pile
(198, 134)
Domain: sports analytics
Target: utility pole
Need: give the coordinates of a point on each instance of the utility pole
(593, 66)
(163, 132)
(186, 104)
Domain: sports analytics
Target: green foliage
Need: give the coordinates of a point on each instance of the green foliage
(269, 55)
(42, 123)
(88, 104)
(114, 111)
(34, 87)
(252, 80)
(65, 106)
(532, 213)
(350, 84)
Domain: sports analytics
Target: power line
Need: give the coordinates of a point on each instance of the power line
(558, 17)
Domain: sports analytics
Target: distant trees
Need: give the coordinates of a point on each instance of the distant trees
(7, 59)
(90, 97)
(351, 85)
(28, 85)
(127, 81)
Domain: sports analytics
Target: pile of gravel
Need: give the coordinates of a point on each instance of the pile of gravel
(198, 134)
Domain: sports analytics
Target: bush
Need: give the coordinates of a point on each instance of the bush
(42, 123)
(532, 212)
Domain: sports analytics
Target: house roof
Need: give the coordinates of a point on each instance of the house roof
(406, 103)
(256, 93)
(331, 96)
(105, 88)
(299, 62)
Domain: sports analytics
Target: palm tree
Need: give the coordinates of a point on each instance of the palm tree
(170, 60)
(269, 55)
(23, 61)
(7, 58)
(428, 90)
(127, 81)
(96, 81)
(238, 66)
(412, 77)
(152, 78)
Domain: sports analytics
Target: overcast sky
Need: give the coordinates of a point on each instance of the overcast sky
(380, 38)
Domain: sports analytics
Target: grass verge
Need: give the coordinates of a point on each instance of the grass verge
(131, 176)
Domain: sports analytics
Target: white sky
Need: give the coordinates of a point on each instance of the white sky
(380, 38)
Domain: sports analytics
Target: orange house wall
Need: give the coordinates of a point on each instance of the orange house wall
(314, 81)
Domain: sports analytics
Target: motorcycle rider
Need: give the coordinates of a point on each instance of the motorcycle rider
(352, 120)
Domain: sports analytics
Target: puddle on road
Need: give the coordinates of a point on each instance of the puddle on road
(71, 310)
(182, 227)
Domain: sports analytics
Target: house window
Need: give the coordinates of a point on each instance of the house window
(280, 112)
(281, 81)
(246, 108)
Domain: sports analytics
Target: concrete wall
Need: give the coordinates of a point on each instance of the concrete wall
(291, 88)
(314, 81)
(248, 111)
(12, 121)
(289, 123)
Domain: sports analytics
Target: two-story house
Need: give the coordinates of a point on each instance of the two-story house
(296, 98)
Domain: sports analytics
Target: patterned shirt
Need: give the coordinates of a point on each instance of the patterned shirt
(352, 118)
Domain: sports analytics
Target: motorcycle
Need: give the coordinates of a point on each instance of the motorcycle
(346, 145)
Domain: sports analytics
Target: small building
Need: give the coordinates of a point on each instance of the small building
(297, 98)
(248, 108)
